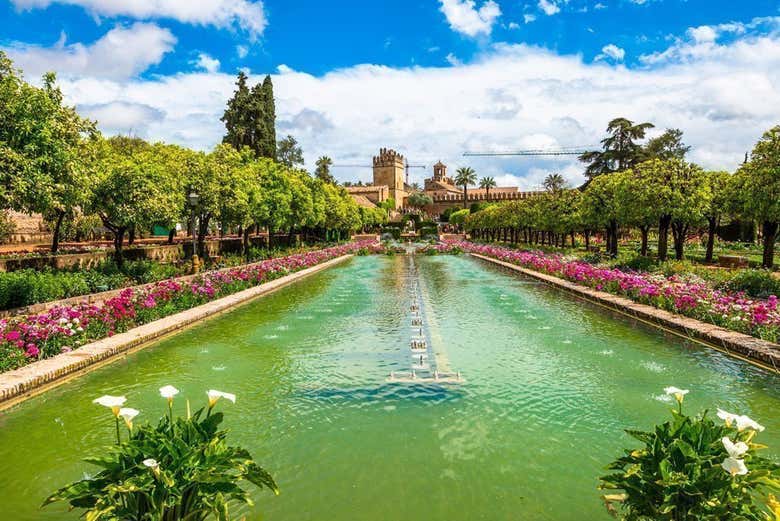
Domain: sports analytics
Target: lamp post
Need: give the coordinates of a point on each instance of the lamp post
(192, 198)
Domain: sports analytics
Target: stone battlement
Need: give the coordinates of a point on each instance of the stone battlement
(388, 157)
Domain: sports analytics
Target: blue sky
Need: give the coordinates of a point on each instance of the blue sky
(428, 77)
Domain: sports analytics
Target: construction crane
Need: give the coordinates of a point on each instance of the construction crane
(407, 166)
(562, 151)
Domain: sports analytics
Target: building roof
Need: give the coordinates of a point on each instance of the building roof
(363, 201)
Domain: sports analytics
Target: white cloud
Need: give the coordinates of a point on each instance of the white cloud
(453, 60)
(702, 40)
(464, 17)
(723, 96)
(122, 52)
(599, 5)
(613, 52)
(703, 33)
(243, 14)
(122, 117)
(528, 18)
(242, 51)
(207, 63)
(513, 26)
(550, 7)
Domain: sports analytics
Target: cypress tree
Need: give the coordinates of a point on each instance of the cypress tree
(236, 115)
(250, 117)
(267, 141)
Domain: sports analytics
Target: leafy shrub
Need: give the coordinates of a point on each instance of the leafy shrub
(25, 287)
(182, 469)
(593, 257)
(635, 263)
(394, 231)
(693, 469)
(756, 283)
(362, 252)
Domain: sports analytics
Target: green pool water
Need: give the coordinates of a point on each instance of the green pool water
(549, 384)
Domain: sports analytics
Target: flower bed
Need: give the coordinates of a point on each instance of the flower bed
(28, 338)
(689, 296)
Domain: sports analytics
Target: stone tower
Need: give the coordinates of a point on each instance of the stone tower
(389, 169)
(440, 172)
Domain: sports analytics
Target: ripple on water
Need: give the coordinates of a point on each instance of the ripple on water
(607, 352)
(270, 337)
(655, 367)
(218, 368)
(283, 327)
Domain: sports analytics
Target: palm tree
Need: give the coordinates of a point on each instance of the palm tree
(322, 169)
(487, 183)
(465, 176)
(554, 183)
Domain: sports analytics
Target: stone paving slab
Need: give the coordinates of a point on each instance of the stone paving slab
(20, 384)
(752, 349)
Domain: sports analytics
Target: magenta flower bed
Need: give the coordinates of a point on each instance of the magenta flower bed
(699, 300)
(28, 338)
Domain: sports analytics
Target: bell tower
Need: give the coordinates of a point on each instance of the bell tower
(389, 169)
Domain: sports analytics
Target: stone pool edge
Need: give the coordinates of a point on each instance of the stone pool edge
(745, 347)
(21, 384)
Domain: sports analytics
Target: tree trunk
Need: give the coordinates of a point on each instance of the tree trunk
(712, 226)
(465, 196)
(245, 242)
(203, 226)
(644, 229)
(55, 240)
(587, 239)
(608, 239)
(663, 237)
(119, 237)
(679, 234)
(573, 243)
(612, 231)
(131, 236)
(770, 235)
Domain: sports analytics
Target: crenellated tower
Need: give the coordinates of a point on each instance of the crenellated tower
(389, 169)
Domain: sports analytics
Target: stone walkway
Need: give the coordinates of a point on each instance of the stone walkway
(751, 349)
(20, 384)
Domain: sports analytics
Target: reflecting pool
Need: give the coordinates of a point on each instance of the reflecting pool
(549, 382)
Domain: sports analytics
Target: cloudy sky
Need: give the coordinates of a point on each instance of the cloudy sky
(431, 78)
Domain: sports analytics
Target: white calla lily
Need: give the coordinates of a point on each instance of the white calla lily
(727, 417)
(215, 395)
(734, 466)
(128, 413)
(112, 402)
(678, 393)
(735, 450)
(168, 392)
(745, 422)
(151, 463)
